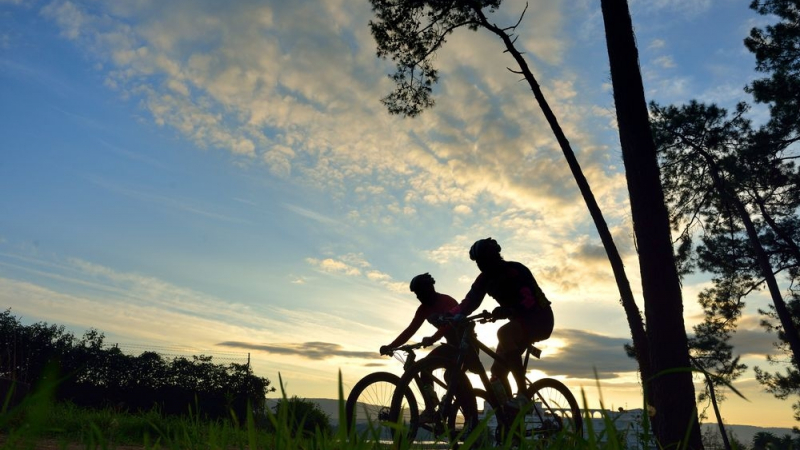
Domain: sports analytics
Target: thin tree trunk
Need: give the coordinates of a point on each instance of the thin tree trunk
(672, 386)
(712, 393)
(632, 312)
(785, 317)
(790, 243)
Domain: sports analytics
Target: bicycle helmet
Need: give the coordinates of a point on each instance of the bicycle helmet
(484, 249)
(422, 281)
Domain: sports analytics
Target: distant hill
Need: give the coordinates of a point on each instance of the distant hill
(743, 433)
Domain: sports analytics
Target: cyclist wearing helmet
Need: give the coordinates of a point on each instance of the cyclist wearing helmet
(431, 305)
(521, 300)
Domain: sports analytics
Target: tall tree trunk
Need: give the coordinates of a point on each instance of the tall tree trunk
(632, 312)
(671, 386)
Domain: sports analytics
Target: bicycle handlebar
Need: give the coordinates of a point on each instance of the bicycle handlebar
(482, 317)
(408, 347)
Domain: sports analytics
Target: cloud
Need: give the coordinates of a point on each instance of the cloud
(309, 350)
(377, 276)
(354, 265)
(665, 62)
(656, 44)
(296, 87)
(454, 250)
(581, 353)
(134, 155)
(688, 8)
(462, 209)
(135, 305)
(321, 218)
(171, 202)
(32, 73)
(754, 342)
(334, 266)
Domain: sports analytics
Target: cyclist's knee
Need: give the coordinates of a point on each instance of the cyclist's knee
(499, 370)
(507, 332)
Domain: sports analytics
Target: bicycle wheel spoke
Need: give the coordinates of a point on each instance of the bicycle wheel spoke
(368, 406)
(553, 410)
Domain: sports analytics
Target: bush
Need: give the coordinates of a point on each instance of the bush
(302, 417)
(91, 374)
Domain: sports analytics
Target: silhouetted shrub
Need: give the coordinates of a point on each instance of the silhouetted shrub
(303, 417)
(92, 374)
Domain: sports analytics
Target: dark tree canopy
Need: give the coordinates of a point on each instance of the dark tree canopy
(783, 384)
(90, 373)
(410, 33)
(765, 440)
(711, 162)
(734, 195)
(777, 51)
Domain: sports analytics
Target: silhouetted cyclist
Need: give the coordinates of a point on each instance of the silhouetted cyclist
(432, 304)
(520, 299)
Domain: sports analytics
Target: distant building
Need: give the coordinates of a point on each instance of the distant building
(628, 425)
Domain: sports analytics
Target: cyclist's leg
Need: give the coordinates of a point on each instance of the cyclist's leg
(444, 351)
(447, 351)
(513, 337)
(453, 416)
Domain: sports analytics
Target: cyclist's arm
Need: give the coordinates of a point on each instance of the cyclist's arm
(531, 295)
(473, 299)
(416, 323)
(438, 335)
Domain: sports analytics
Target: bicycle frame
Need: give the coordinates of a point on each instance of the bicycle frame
(469, 342)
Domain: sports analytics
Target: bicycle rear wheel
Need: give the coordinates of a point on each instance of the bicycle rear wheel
(367, 409)
(434, 419)
(553, 410)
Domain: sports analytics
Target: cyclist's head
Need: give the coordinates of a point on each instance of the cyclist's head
(422, 285)
(486, 253)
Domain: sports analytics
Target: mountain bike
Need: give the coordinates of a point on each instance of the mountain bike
(368, 404)
(452, 414)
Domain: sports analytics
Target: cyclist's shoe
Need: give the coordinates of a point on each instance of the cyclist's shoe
(516, 404)
(428, 416)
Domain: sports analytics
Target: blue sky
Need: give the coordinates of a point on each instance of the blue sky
(225, 179)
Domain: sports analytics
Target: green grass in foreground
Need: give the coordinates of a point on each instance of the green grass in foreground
(38, 418)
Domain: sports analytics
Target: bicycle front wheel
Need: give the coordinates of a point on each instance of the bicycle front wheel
(367, 410)
(443, 412)
(553, 410)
